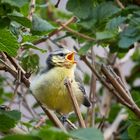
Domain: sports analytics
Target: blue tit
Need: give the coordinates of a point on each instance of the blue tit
(48, 87)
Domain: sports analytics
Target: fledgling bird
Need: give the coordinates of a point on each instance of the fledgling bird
(49, 88)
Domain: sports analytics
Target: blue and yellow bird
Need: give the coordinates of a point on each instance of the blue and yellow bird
(48, 87)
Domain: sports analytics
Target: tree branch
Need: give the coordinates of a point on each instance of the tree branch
(75, 103)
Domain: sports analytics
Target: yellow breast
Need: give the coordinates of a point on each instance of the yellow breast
(49, 88)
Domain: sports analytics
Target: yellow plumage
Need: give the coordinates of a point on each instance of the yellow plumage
(49, 88)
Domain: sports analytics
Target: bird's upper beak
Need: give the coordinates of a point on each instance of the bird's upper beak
(70, 57)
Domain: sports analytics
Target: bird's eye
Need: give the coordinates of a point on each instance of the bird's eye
(61, 54)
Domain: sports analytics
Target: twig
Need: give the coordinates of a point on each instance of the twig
(77, 33)
(113, 128)
(100, 126)
(18, 81)
(41, 121)
(130, 104)
(75, 103)
(121, 91)
(32, 9)
(15, 64)
(71, 124)
(120, 4)
(51, 115)
(56, 5)
(92, 95)
(71, 20)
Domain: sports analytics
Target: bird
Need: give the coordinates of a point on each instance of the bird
(49, 88)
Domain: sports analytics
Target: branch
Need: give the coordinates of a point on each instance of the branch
(32, 9)
(77, 33)
(51, 115)
(115, 88)
(56, 5)
(120, 4)
(91, 111)
(113, 128)
(75, 103)
(71, 20)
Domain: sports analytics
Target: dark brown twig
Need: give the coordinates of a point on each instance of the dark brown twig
(56, 5)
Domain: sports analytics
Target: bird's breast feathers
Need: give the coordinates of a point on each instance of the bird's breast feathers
(49, 88)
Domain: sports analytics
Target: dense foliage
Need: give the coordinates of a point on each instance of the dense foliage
(113, 26)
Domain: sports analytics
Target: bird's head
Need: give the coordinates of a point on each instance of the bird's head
(61, 58)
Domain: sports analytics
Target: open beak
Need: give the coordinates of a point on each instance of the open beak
(70, 57)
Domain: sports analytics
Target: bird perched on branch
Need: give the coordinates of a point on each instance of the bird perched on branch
(49, 88)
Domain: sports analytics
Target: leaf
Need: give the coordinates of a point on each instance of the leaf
(115, 22)
(81, 8)
(8, 119)
(30, 38)
(128, 37)
(87, 134)
(105, 35)
(105, 10)
(20, 137)
(85, 48)
(8, 42)
(30, 62)
(52, 134)
(15, 16)
(41, 26)
(16, 3)
(133, 132)
(32, 46)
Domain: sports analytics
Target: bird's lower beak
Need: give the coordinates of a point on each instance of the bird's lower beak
(70, 57)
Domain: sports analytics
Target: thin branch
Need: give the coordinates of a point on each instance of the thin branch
(116, 90)
(121, 91)
(77, 33)
(120, 4)
(51, 115)
(32, 9)
(71, 20)
(113, 128)
(92, 95)
(75, 103)
(56, 5)
(15, 64)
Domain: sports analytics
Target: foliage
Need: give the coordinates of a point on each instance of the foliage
(108, 24)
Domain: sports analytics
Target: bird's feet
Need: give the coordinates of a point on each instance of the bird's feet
(63, 119)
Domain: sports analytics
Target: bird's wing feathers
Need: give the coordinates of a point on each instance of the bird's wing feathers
(86, 102)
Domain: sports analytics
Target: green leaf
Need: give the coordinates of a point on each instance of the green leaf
(8, 119)
(41, 26)
(30, 38)
(128, 37)
(16, 3)
(28, 45)
(83, 50)
(52, 134)
(105, 35)
(30, 62)
(8, 42)
(81, 8)
(133, 132)
(87, 134)
(18, 17)
(105, 10)
(20, 137)
(115, 22)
